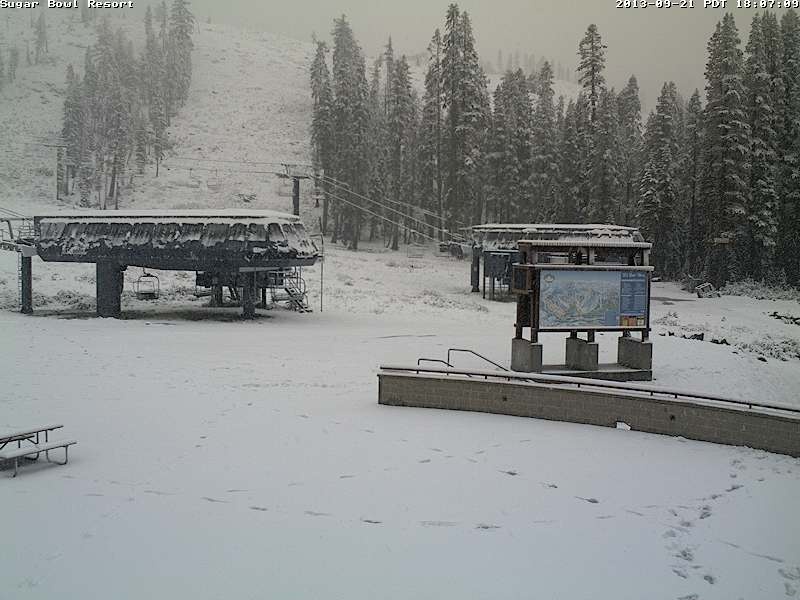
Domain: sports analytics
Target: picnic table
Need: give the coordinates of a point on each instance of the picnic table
(27, 435)
(33, 445)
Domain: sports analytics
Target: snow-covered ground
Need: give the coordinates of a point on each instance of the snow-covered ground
(227, 459)
(219, 458)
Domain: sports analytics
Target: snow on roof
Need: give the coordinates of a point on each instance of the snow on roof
(176, 215)
(545, 226)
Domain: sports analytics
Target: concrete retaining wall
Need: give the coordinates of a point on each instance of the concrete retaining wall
(697, 421)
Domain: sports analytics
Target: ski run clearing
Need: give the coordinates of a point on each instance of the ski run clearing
(225, 459)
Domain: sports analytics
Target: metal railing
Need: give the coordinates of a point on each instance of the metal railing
(599, 384)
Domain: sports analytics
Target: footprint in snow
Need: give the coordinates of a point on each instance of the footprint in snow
(705, 512)
(551, 486)
(686, 554)
(681, 573)
(486, 526)
(371, 522)
(346, 476)
(94, 495)
(312, 513)
(214, 500)
(424, 460)
(710, 579)
(690, 597)
(258, 508)
(633, 512)
(605, 517)
(438, 523)
(511, 473)
(158, 493)
(589, 500)
(734, 487)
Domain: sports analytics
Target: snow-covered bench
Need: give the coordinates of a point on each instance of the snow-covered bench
(36, 449)
(27, 435)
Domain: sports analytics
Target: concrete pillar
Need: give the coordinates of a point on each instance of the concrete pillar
(525, 356)
(475, 269)
(582, 355)
(109, 282)
(26, 293)
(635, 354)
(249, 294)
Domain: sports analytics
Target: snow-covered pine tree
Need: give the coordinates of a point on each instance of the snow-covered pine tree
(544, 171)
(630, 150)
(569, 166)
(466, 102)
(604, 199)
(789, 225)
(13, 63)
(400, 127)
(510, 151)
(378, 141)
(696, 222)
(321, 123)
(763, 99)
(181, 27)
(73, 129)
(726, 155)
(351, 127)
(431, 135)
(591, 66)
(167, 86)
(660, 207)
(40, 33)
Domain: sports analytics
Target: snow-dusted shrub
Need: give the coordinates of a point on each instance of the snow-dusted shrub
(761, 291)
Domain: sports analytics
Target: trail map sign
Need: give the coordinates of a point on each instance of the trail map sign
(593, 299)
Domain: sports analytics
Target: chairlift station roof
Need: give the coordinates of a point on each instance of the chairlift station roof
(197, 240)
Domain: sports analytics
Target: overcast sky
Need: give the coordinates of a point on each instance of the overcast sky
(655, 44)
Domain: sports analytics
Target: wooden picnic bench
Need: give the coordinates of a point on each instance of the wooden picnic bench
(33, 447)
(36, 449)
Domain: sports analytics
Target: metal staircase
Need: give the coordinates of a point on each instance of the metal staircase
(18, 235)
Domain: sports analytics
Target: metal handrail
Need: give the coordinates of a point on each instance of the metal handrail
(434, 360)
(467, 351)
(591, 383)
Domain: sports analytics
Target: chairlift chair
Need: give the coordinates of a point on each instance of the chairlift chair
(147, 286)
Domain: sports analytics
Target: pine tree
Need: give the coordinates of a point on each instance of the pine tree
(466, 102)
(2, 71)
(726, 155)
(696, 223)
(431, 134)
(569, 171)
(789, 143)
(544, 175)
(762, 74)
(592, 63)
(660, 211)
(510, 156)
(605, 194)
(630, 151)
(322, 135)
(400, 127)
(351, 126)
(73, 129)
(41, 37)
(179, 55)
(13, 63)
